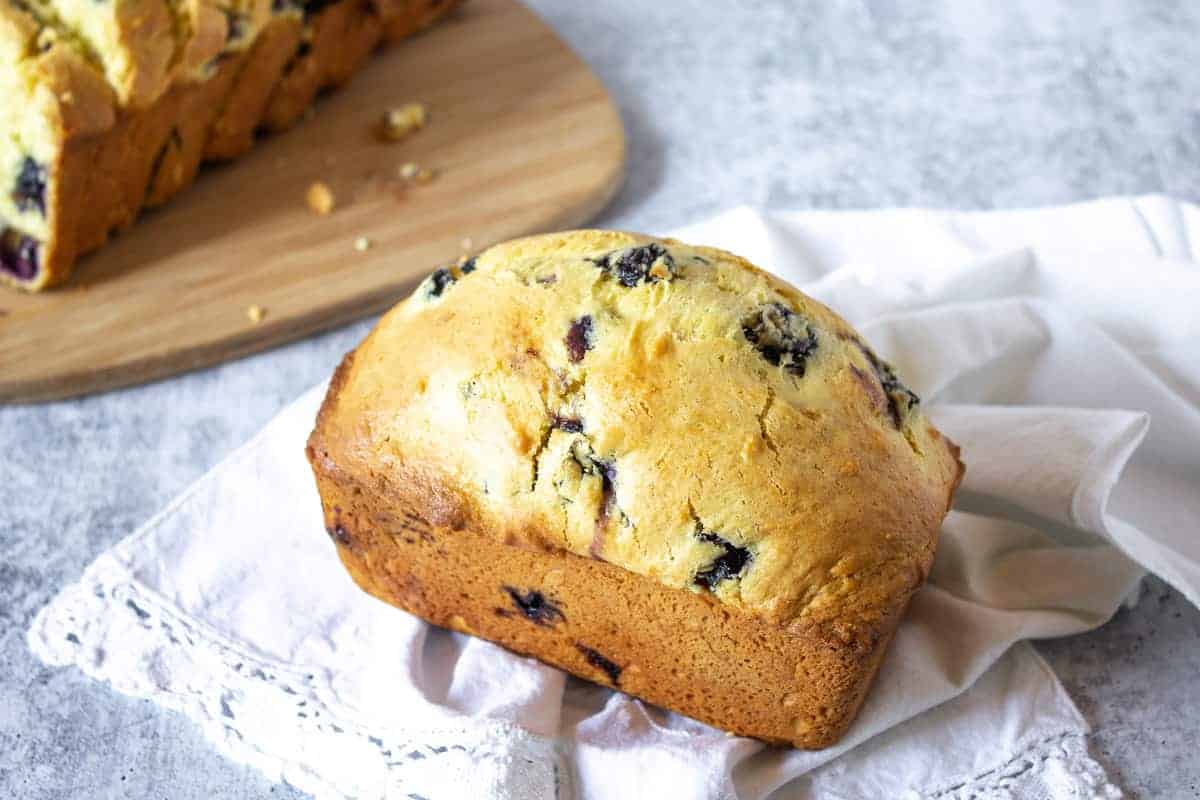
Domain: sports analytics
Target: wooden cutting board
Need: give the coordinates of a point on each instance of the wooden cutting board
(522, 138)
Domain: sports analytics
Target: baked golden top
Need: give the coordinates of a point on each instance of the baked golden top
(673, 410)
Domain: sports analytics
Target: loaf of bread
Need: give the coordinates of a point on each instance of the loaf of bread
(110, 106)
(652, 465)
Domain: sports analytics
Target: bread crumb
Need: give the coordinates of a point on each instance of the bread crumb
(398, 123)
(256, 314)
(362, 244)
(416, 173)
(320, 198)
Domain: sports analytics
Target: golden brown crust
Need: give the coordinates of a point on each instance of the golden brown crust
(340, 40)
(179, 155)
(403, 18)
(772, 457)
(79, 100)
(144, 32)
(232, 134)
(209, 33)
(343, 34)
(798, 686)
(709, 432)
(80, 104)
(115, 162)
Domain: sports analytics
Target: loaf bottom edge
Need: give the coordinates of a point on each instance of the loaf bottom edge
(675, 648)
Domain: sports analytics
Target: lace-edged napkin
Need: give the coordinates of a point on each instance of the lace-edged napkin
(1052, 345)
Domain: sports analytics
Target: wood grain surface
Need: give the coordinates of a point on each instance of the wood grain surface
(522, 138)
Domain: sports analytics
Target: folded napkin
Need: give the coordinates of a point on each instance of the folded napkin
(1053, 345)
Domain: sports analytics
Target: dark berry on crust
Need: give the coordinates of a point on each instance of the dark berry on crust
(634, 265)
(337, 531)
(30, 188)
(729, 564)
(579, 339)
(567, 424)
(18, 255)
(900, 399)
(638, 264)
(781, 336)
(468, 266)
(613, 671)
(439, 281)
(535, 607)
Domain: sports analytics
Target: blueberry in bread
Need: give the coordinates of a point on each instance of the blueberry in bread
(110, 106)
(652, 465)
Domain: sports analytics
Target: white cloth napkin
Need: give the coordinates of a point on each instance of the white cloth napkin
(1055, 345)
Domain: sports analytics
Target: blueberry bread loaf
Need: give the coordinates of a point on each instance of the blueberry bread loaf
(652, 465)
(110, 106)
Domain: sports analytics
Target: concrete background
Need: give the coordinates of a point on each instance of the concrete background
(825, 104)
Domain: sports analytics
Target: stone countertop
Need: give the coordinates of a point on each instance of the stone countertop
(821, 104)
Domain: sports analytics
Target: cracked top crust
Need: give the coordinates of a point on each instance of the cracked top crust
(670, 409)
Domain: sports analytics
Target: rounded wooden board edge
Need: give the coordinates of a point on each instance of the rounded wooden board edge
(266, 336)
(274, 332)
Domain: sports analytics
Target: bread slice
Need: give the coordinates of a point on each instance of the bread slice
(110, 107)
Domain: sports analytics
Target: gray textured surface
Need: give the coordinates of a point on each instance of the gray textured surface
(961, 103)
